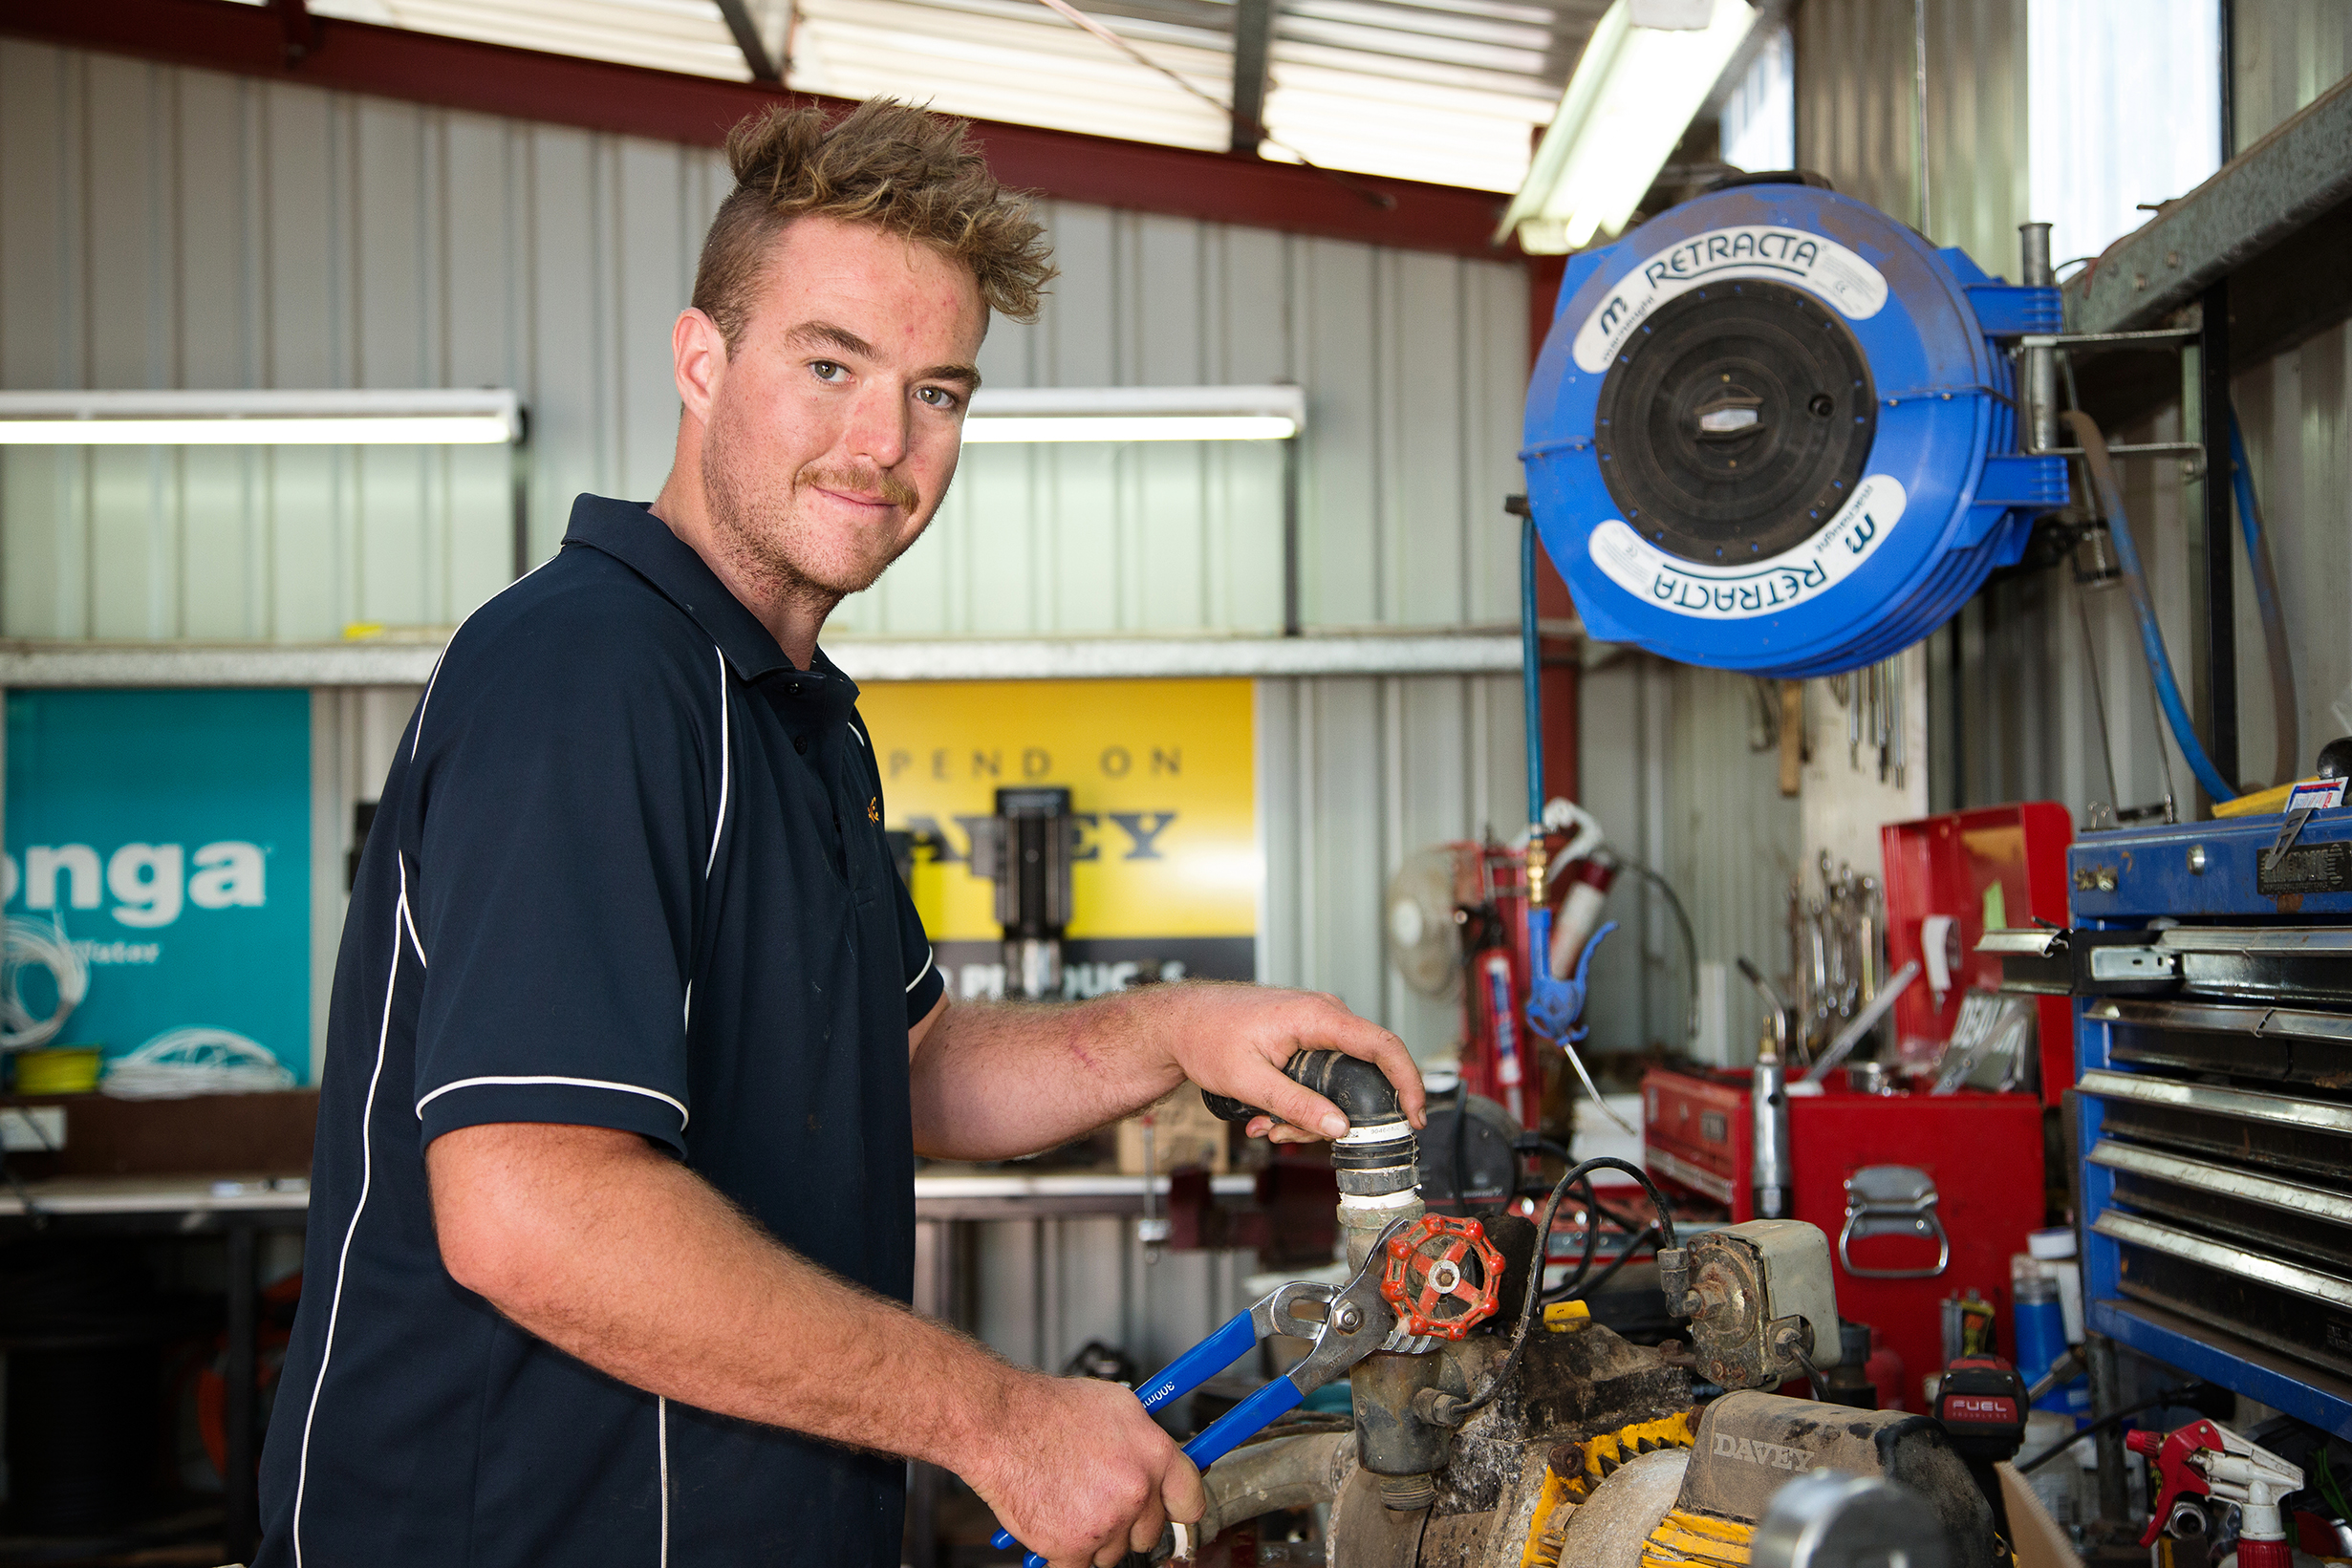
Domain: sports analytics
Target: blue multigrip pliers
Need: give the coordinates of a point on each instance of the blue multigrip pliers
(1356, 1321)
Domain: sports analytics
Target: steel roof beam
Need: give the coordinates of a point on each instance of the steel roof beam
(2267, 194)
(634, 101)
(745, 29)
(1253, 53)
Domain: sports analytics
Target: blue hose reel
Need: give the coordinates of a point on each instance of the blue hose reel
(1772, 430)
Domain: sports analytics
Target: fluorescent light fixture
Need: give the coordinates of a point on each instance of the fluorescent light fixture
(1635, 91)
(1134, 414)
(423, 416)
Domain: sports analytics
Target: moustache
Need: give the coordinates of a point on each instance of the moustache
(892, 489)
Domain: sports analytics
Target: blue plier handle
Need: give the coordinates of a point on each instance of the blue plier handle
(1356, 1321)
(1240, 1334)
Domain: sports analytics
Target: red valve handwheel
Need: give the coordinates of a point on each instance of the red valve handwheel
(1442, 1275)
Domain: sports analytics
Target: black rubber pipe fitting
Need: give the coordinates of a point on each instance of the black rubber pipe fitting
(1362, 1092)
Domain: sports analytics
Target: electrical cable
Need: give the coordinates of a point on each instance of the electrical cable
(1690, 942)
(2110, 498)
(1534, 1296)
(38, 944)
(1578, 1288)
(2287, 747)
(2182, 1395)
(1819, 1384)
(1623, 1222)
(2329, 1490)
(1593, 1245)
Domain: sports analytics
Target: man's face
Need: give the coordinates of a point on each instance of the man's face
(834, 426)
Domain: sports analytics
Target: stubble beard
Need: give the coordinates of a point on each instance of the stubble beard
(754, 516)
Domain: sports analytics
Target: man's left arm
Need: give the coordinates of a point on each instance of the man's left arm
(994, 1081)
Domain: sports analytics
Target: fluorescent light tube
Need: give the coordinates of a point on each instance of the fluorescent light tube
(450, 430)
(426, 417)
(1130, 427)
(1134, 414)
(1635, 91)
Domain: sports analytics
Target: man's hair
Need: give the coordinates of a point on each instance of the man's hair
(902, 169)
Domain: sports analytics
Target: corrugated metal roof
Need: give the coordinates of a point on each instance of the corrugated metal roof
(1445, 91)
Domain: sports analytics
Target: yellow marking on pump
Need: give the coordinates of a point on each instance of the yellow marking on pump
(1565, 1316)
(1688, 1540)
(1561, 1496)
(1547, 1531)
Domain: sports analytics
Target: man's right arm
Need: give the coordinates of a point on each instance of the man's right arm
(614, 1252)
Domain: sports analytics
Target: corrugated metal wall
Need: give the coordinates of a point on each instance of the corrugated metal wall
(1857, 105)
(2287, 52)
(165, 227)
(2296, 409)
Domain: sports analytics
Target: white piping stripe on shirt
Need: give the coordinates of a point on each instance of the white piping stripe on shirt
(662, 1436)
(928, 956)
(409, 920)
(501, 1081)
(432, 680)
(725, 768)
(367, 1176)
(861, 739)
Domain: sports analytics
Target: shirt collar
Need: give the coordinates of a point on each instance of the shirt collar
(627, 531)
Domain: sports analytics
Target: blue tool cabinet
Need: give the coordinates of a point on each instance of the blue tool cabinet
(2213, 983)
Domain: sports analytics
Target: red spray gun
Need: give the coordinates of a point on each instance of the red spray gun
(2204, 1460)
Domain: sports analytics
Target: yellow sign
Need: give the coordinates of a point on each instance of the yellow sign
(1162, 782)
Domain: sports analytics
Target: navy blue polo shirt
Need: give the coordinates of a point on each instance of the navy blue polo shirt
(628, 871)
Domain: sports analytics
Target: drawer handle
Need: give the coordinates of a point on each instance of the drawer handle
(1891, 1200)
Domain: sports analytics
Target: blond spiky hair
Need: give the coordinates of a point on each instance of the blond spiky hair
(904, 169)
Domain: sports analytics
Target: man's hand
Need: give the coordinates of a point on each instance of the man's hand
(992, 1081)
(1080, 1475)
(1234, 1039)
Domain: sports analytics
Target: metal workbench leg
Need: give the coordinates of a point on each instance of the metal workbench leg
(241, 1527)
(2114, 1501)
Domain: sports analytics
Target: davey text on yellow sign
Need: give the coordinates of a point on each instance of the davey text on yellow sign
(1162, 782)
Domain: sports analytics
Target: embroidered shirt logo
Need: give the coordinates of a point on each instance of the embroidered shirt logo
(873, 808)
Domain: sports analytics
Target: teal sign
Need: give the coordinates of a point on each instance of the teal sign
(170, 833)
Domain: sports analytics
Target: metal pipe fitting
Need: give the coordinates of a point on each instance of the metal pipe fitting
(1377, 1161)
(1768, 1105)
(2038, 385)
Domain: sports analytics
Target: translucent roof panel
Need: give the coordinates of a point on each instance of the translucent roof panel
(1446, 91)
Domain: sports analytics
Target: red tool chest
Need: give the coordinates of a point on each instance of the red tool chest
(2001, 866)
(1981, 1152)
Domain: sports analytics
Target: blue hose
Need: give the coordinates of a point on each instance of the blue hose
(2264, 572)
(2152, 636)
(1531, 672)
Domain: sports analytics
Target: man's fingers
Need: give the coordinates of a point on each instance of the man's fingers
(1343, 1031)
(1291, 1100)
(1144, 1533)
(1182, 1493)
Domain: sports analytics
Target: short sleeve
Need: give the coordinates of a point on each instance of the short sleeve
(925, 983)
(564, 805)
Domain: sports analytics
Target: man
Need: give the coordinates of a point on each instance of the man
(636, 1035)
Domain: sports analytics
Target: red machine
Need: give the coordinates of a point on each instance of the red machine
(1491, 889)
(1496, 1061)
(1923, 1196)
(1999, 866)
